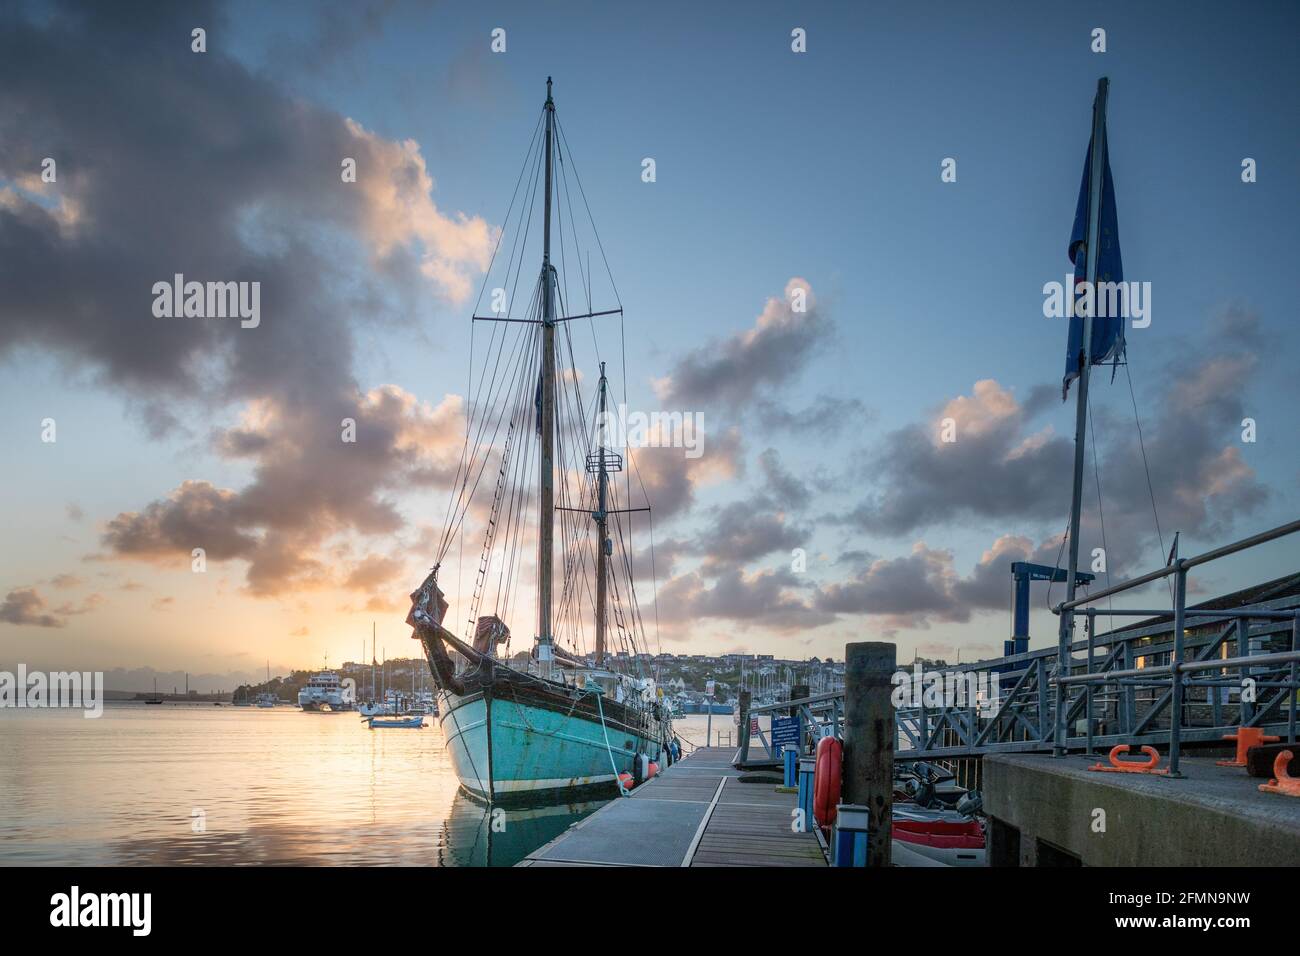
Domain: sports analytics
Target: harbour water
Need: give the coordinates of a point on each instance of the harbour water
(189, 783)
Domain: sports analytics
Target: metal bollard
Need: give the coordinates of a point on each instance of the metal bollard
(791, 757)
(807, 766)
(849, 846)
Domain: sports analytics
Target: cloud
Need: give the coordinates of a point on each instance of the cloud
(193, 164)
(671, 479)
(374, 571)
(924, 586)
(272, 206)
(195, 515)
(743, 531)
(994, 468)
(1000, 467)
(782, 489)
(738, 534)
(24, 606)
(826, 417)
(335, 32)
(732, 373)
(397, 209)
(764, 600)
(280, 521)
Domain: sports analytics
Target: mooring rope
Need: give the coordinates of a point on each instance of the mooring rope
(608, 749)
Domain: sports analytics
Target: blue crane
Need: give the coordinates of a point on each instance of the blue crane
(1022, 572)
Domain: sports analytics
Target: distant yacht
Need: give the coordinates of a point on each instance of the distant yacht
(323, 694)
(266, 698)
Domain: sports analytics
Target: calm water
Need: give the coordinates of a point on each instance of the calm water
(267, 786)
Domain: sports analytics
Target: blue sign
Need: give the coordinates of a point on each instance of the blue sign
(785, 733)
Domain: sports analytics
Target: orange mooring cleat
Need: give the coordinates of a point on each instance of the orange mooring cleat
(1281, 783)
(1131, 766)
(1246, 737)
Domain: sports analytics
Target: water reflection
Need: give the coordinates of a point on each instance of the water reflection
(480, 835)
(275, 787)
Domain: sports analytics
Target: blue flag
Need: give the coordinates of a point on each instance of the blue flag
(1107, 329)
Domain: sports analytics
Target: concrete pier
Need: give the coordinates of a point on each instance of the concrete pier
(695, 813)
(1046, 811)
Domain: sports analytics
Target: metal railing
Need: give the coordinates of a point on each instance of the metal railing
(1166, 682)
(1178, 672)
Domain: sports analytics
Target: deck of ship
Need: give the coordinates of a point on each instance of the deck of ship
(695, 813)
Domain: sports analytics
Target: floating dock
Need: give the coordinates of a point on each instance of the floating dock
(695, 813)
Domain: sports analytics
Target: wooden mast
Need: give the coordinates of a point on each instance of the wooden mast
(546, 506)
(601, 516)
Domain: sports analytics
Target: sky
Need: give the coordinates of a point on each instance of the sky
(775, 170)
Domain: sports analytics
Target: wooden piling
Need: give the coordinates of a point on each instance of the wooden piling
(869, 730)
(743, 727)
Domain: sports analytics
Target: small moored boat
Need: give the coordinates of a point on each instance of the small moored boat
(413, 723)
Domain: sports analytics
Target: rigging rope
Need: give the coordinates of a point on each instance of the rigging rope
(499, 404)
(1147, 469)
(1101, 513)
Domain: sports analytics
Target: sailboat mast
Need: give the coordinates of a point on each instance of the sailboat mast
(546, 508)
(601, 516)
(1091, 250)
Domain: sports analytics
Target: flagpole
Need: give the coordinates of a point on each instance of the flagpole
(1095, 182)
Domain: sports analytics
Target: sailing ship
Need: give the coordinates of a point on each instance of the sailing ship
(371, 705)
(266, 698)
(550, 722)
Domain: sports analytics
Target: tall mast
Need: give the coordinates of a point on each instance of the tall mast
(1091, 250)
(601, 516)
(546, 508)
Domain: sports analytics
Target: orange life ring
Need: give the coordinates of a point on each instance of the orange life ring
(826, 780)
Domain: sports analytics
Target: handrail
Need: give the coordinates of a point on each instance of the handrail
(787, 704)
(1135, 701)
(1161, 670)
(1182, 564)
